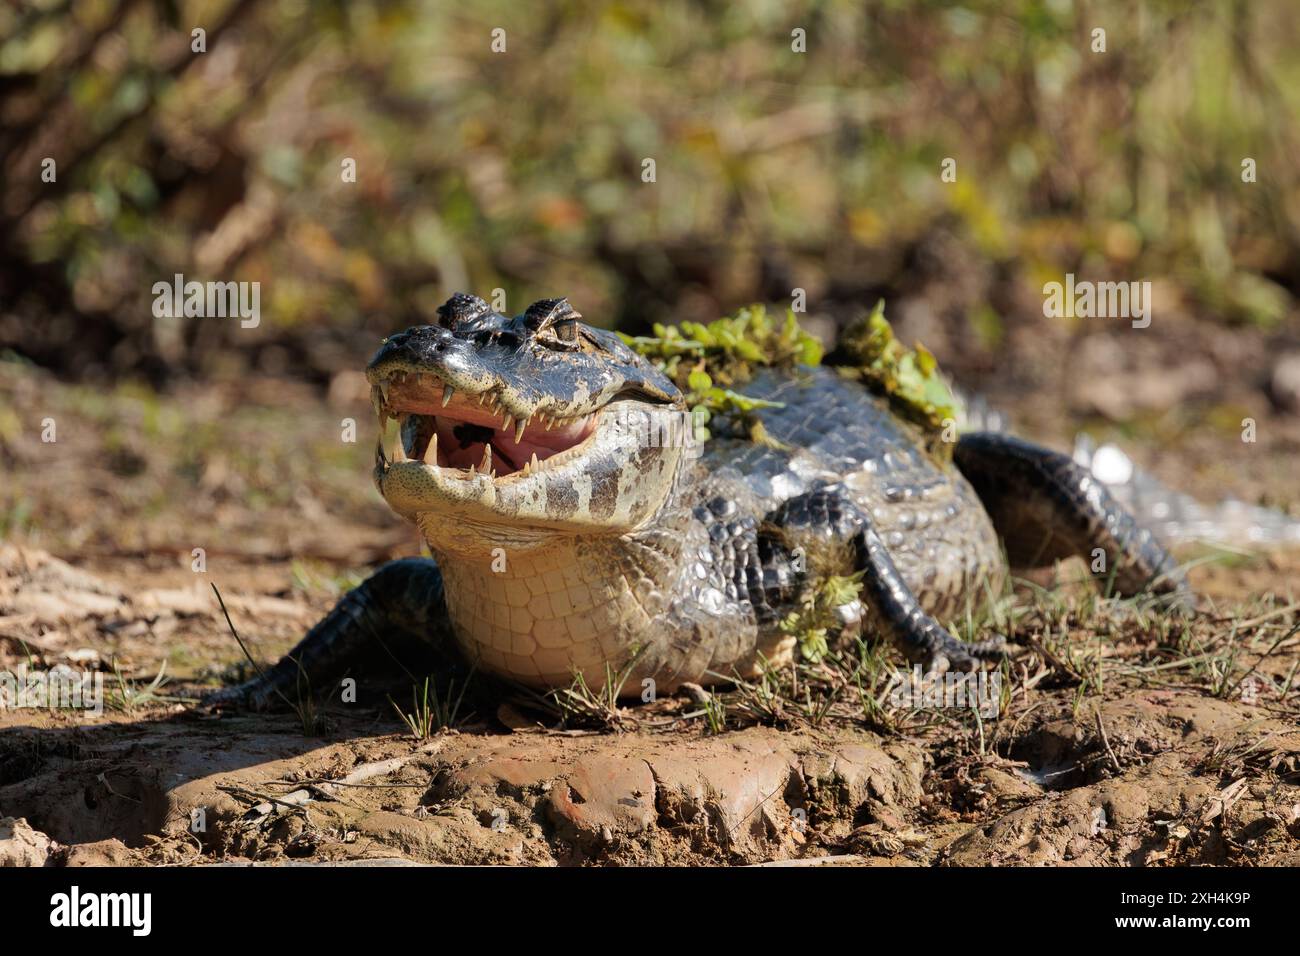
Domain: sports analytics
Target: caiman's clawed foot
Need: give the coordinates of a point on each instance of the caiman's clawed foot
(898, 614)
(806, 523)
(399, 605)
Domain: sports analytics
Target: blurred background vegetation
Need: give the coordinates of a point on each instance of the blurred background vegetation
(775, 170)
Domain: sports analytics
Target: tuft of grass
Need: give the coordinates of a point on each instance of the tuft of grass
(583, 704)
(128, 696)
(715, 713)
(429, 712)
(763, 700)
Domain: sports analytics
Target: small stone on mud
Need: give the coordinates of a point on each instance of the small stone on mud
(512, 719)
(20, 845)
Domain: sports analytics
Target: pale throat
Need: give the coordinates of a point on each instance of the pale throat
(569, 604)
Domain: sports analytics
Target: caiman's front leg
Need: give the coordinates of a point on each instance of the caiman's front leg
(399, 604)
(835, 536)
(1045, 507)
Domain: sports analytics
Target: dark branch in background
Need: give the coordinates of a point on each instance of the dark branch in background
(16, 139)
(176, 69)
(44, 287)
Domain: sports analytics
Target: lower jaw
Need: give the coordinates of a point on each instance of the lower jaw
(488, 543)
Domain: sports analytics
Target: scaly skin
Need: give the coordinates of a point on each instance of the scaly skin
(625, 541)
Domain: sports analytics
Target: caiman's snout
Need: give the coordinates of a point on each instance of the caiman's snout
(421, 346)
(465, 361)
(515, 419)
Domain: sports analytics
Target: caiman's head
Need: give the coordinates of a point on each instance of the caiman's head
(513, 430)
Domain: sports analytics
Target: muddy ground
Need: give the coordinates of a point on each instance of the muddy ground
(1121, 740)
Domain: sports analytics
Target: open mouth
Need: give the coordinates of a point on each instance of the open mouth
(474, 434)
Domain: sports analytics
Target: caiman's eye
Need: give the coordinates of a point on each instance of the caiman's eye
(566, 330)
(554, 323)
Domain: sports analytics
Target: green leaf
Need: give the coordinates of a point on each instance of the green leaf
(699, 381)
(910, 379)
(725, 352)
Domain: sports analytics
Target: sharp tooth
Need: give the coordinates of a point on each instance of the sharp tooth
(487, 457)
(550, 422)
(399, 453)
(473, 470)
(534, 464)
(447, 393)
(383, 390)
(431, 452)
(482, 397)
(519, 430)
(509, 420)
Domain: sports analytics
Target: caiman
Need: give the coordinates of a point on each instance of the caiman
(575, 522)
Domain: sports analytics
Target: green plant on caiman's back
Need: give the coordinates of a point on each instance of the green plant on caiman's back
(704, 360)
(909, 378)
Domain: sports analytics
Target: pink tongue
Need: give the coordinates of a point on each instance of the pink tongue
(507, 454)
(538, 439)
(463, 458)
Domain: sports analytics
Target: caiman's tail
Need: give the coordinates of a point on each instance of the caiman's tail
(1175, 517)
(1172, 516)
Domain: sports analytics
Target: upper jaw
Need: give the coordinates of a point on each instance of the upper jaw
(470, 432)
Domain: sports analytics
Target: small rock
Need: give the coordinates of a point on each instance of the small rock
(1005, 788)
(696, 694)
(513, 720)
(20, 845)
(111, 852)
(1285, 382)
(890, 821)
